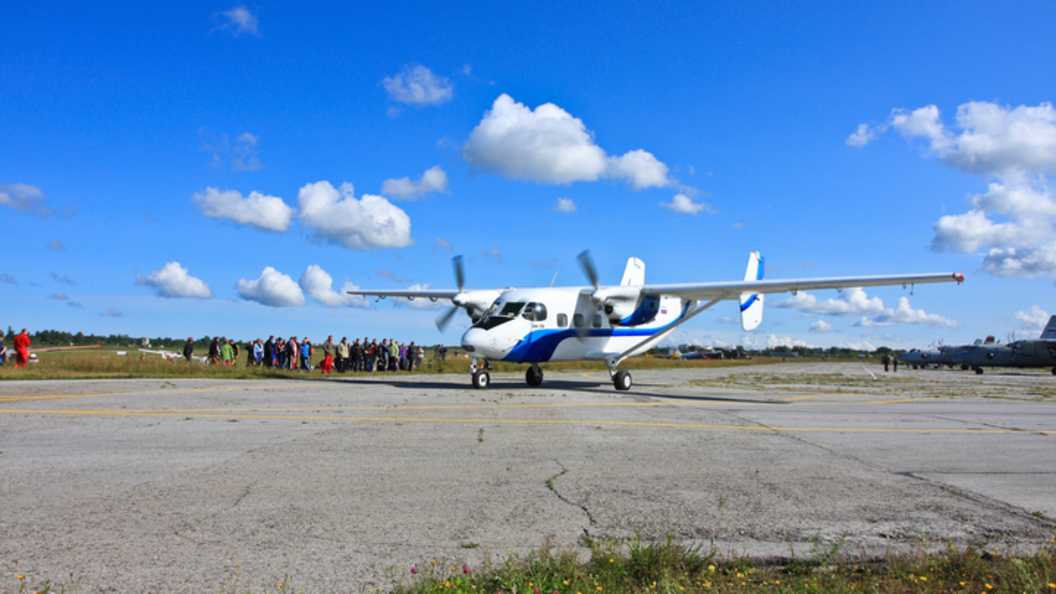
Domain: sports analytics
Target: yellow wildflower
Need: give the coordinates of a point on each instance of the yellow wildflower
(599, 589)
(20, 577)
(988, 586)
(711, 569)
(566, 582)
(923, 578)
(1052, 585)
(963, 583)
(611, 560)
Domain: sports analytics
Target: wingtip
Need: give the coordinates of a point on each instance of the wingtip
(959, 277)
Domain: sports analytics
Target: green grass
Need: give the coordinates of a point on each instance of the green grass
(671, 568)
(106, 364)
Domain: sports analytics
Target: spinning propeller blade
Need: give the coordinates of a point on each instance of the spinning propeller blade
(460, 282)
(587, 264)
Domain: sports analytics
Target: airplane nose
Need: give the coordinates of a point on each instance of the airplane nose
(473, 340)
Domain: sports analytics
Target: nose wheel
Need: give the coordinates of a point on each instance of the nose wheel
(479, 374)
(622, 380)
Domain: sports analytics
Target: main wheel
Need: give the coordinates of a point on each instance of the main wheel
(978, 371)
(622, 380)
(1054, 371)
(964, 367)
(534, 376)
(481, 379)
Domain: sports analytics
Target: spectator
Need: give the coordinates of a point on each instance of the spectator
(293, 352)
(355, 352)
(343, 351)
(394, 354)
(234, 351)
(227, 353)
(188, 349)
(269, 352)
(258, 353)
(214, 351)
(3, 351)
(280, 353)
(22, 344)
(306, 355)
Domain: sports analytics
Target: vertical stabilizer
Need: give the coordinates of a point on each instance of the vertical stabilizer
(752, 303)
(633, 274)
(1049, 333)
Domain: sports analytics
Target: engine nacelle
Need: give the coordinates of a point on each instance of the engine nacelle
(627, 312)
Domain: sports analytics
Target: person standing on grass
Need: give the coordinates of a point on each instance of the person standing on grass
(343, 352)
(394, 355)
(328, 356)
(258, 353)
(280, 353)
(234, 350)
(227, 353)
(3, 351)
(188, 349)
(22, 344)
(355, 352)
(293, 353)
(269, 351)
(214, 351)
(306, 355)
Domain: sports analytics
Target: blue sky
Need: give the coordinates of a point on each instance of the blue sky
(115, 117)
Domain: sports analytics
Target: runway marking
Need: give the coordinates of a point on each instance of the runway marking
(164, 391)
(396, 419)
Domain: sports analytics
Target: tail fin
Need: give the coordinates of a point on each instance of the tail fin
(752, 303)
(1049, 333)
(634, 273)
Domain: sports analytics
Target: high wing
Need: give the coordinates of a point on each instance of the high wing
(733, 289)
(432, 294)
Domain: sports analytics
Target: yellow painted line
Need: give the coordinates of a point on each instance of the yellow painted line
(385, 419)
(497, 406)
(146, 392)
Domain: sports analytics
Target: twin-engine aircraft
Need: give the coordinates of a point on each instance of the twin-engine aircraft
(607, 322)
(989, 353)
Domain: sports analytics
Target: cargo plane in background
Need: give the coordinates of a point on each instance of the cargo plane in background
(607, 322)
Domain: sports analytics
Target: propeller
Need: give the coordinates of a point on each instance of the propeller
(460, 282)
(586, 263)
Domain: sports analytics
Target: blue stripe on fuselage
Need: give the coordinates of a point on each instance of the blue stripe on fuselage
(539, 345)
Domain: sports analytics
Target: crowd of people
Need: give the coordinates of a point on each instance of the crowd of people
(368, 355)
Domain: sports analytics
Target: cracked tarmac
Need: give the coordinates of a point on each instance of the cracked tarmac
(209, 485)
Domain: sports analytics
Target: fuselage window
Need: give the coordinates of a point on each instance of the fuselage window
(597, 320)
(562, 320)
(577, 320)
(540, 312)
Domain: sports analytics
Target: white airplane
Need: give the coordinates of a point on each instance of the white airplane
(608, 323)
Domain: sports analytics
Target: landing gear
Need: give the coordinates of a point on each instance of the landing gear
(978, 371)
(534, 376)
(1054, 371)
(479, 374)
(964, 367)
(481, 379)
(622, 380)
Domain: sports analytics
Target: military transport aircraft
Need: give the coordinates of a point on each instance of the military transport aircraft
(605, 322)
(1021, 353)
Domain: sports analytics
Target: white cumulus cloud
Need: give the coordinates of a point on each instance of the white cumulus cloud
(239, 19)
(1012, 225)
(417, 85)
(820, 326)
(339, 217)
(172, 280)
(256, 210)
(856, 301)
(565, 205)
(21, 197)
(433, 179)
(1033, 318)
(319, 285)
(271, 288)
(862, 135)
(683, 204)
(549, 145)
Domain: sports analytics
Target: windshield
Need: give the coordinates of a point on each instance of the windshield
(500, 314)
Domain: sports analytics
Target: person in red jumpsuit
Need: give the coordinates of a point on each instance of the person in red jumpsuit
(22, 343)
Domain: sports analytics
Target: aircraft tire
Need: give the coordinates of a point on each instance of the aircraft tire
(1054, 371)
(481, 380)
(622, 380)
(965, 367)
(534, 376)
(978, 371)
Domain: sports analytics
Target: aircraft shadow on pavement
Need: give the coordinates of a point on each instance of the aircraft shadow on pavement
(592, 387)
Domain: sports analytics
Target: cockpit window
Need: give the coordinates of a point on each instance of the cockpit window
(511, 309)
